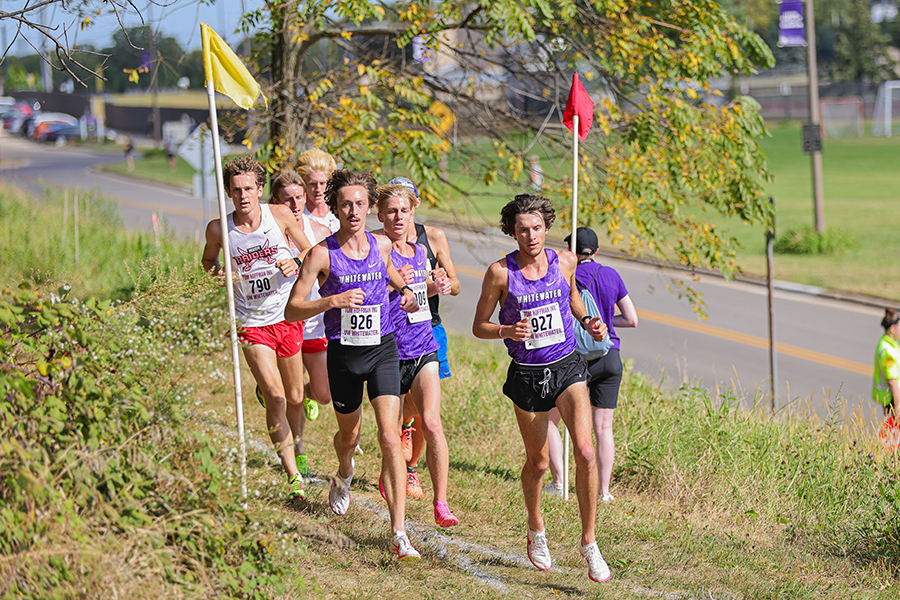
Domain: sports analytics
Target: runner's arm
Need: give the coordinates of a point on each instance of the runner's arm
(210, 259)
(627, 316)
(441, 248)
(291, 228)
(298, 307)
(408, 300)
(495, 281)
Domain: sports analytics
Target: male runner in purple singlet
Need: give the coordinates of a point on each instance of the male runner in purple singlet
(354, 272)
(535, 288)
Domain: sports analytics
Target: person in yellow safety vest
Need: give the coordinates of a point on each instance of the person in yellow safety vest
(885, 389)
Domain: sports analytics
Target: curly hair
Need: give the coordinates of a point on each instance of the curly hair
(284, 179)
(395, 190)
(345, 178)
(524, 204)
(315, 160)
(241, 165)
(890, 318)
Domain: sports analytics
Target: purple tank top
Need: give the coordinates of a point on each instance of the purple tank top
(413, 339)
(546, 303)
(368, 274)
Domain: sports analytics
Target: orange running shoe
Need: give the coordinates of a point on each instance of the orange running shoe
(406, 439)
(413, 488)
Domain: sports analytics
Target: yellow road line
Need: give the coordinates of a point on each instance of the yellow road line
(732, 336)
(757, 342)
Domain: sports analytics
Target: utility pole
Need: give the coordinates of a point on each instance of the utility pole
(46, 75)
(812, 135)
(154, 83)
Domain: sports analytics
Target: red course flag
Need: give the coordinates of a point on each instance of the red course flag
(579, 103)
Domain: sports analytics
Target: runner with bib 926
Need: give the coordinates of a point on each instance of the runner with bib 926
(354, 272)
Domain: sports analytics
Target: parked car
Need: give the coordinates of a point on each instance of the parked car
(60, 133)
(48, 117)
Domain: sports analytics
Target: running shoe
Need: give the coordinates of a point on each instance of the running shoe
(303, 465)
(358, 450)
(554, 489)
(607, 498)
(443, 516)
(339, 495)
(259, 397)
(538, 552)
(413, 487)
(296, 483)
(598, 570)
(406, 439)
(311, 408)
(403, 548)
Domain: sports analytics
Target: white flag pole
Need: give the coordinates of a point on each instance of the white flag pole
(229, 285)
(572, 248)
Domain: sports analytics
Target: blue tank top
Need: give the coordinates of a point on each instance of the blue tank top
(413, 339)
(546, 303)
(345, 273)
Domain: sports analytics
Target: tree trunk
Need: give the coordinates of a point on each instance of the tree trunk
(284, 92)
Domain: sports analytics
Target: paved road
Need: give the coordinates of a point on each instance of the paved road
(825, 346)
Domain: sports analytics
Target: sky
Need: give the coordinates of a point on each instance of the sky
(176, 18)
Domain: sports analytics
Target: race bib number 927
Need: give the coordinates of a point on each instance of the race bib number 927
(546, 326)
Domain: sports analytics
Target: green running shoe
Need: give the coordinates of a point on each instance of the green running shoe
(311, 408)
(296, 483)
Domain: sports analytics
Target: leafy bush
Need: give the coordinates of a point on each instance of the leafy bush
(806, 240)
(96, 455)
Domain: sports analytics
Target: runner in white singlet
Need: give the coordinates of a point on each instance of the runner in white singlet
(264, 271)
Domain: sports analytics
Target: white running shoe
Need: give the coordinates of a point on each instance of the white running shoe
(598, 570)
(339, 495)
(403, 548)
(553, 489)
(538, 552)
(607, 498)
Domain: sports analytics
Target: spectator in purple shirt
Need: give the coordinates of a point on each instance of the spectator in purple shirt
(609, 292)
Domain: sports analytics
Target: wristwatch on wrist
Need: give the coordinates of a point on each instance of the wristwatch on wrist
(405, 287)
(588, 317)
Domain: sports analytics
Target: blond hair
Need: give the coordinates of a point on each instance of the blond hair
(394, 190)
(313, 160)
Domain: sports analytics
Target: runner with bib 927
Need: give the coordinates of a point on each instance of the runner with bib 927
(535, 289)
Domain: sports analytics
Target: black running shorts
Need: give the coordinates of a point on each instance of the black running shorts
(535, 388)
(606, 376)
(410, 368)
(351, 366)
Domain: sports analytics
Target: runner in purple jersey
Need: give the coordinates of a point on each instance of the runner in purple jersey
(419, 375)
(354, 271)
(536, 291)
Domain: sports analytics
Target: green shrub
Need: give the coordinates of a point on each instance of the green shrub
(806, 240)
(96, 452)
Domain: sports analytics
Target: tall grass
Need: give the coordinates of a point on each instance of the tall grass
(37, 244)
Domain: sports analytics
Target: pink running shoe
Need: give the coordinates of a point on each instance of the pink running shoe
(443, 516)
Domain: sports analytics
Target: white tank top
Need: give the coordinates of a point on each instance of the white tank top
(261, 291)
(330, 221)
(313, 327)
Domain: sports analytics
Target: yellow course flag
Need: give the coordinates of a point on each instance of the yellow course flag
(226, 71)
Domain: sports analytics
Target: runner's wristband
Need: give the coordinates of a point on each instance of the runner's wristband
(406, 287)
(585, 317)
(298, 261)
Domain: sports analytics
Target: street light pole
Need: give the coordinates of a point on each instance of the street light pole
(814, 117)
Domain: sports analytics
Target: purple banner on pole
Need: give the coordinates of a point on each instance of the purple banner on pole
(790, 24)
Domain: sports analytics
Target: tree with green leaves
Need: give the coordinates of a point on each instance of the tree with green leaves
(861, 51)
(374, 82)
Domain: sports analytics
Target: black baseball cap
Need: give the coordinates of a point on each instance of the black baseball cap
(585, 240)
